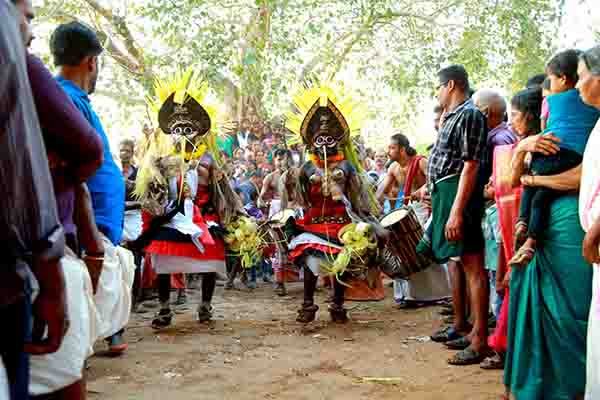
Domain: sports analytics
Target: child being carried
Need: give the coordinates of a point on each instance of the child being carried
(571, 121)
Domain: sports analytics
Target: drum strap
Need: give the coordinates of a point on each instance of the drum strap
(410, 177)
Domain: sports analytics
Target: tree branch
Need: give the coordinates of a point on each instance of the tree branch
(120, 26)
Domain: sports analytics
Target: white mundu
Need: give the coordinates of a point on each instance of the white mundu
(56, 371)
(431, 284)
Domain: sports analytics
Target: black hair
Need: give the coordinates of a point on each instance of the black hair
(403, 141)
(470, 92)
(456, 73)
(283, 153)
(253, 174)
(128, 142)
(529, 102)
(535, 81)
(565, 64)
(70, 43)
(591, 59)
(547, 84)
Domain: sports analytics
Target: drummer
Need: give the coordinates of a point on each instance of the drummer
(407, 168)
(269, 194)
(270, 197)
(432, 284)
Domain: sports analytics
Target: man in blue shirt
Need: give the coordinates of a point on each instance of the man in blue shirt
(76, 50)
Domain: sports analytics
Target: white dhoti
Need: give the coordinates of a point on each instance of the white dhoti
(431, 284)
(113, 297)
(52, 372)
(275, 207)
(132, 225)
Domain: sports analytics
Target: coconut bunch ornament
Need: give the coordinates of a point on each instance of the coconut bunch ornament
(244, 239)
(358, 240)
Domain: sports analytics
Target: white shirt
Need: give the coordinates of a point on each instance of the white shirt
(589, 192)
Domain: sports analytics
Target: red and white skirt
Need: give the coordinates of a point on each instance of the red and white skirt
(171, 257)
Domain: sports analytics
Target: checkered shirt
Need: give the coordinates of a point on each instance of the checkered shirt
(462, 137)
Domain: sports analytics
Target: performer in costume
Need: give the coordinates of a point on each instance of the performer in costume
(331, 189)
(185, 197)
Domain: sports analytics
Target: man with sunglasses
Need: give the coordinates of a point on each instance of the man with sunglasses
(457, 208)
(76, 51)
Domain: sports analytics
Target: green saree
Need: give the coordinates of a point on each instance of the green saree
(548, 313)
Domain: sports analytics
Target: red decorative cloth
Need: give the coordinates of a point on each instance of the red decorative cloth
(508, 200)
(214, 249)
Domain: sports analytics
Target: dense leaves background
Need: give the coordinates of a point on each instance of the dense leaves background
(254, 52)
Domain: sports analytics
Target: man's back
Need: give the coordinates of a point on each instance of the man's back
(107, 186)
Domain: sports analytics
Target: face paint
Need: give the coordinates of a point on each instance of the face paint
(324, 142)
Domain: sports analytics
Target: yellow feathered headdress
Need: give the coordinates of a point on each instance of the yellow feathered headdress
(310, 97)
(182, 97)
(349, 113)
(184, 87)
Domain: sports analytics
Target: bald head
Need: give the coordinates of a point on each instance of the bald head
(492, 105)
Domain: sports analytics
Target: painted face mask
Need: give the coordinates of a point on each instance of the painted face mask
(325, 130)
(186, 121)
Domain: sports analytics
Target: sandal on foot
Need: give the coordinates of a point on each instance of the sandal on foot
(494, 362)
(522, 258)
(445, 335)
(521, 229)
(280, 290)
(181, 299)
(204, 313)
(409, 305)
(163, 319)
(468, 356)
(458, 344)
(446, 310)
(117, 344)
(307, 313)
(338, 314)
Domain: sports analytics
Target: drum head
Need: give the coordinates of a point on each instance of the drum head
(282, 216)
(394, 217)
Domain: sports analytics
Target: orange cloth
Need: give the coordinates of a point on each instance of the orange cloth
(360, 290)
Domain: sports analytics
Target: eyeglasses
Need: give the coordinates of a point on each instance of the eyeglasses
(441, 85)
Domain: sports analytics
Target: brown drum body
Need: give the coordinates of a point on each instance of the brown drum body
(400, 258)
(283, 269)
(277, 232)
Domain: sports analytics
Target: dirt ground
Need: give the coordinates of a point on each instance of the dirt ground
(255, 350)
